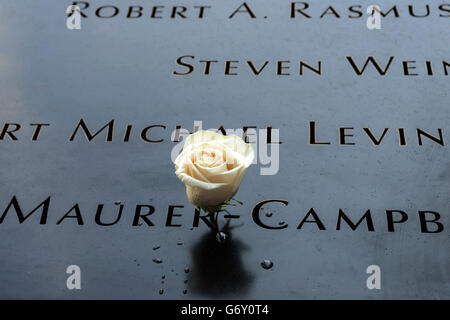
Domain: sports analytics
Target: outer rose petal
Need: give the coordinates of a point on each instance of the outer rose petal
(205, 198)
(192, 182)
(238, 181)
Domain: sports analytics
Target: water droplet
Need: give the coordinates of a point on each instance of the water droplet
(186, 270)
(157, 260)
(163, 276)
(179, 243)
(266, 264)
(281, 222)
(161, 291)
(138, 264)
(156, 247)
(162, 281)
(172, 270)
(117, 202)
(186, 281)
(184, 291)
(221, 237)
(191, 229)
(268, 214)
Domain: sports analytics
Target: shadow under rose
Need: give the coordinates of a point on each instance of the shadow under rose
(217, 268)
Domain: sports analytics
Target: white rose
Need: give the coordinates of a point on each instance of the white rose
(212, 167)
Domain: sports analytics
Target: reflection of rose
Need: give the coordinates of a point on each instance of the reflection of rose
(212, 167)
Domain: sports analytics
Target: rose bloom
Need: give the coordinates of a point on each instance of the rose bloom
(212, 167)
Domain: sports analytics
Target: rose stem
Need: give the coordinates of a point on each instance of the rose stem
(213, 219)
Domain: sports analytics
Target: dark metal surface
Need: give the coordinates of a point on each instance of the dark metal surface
(122, 69)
